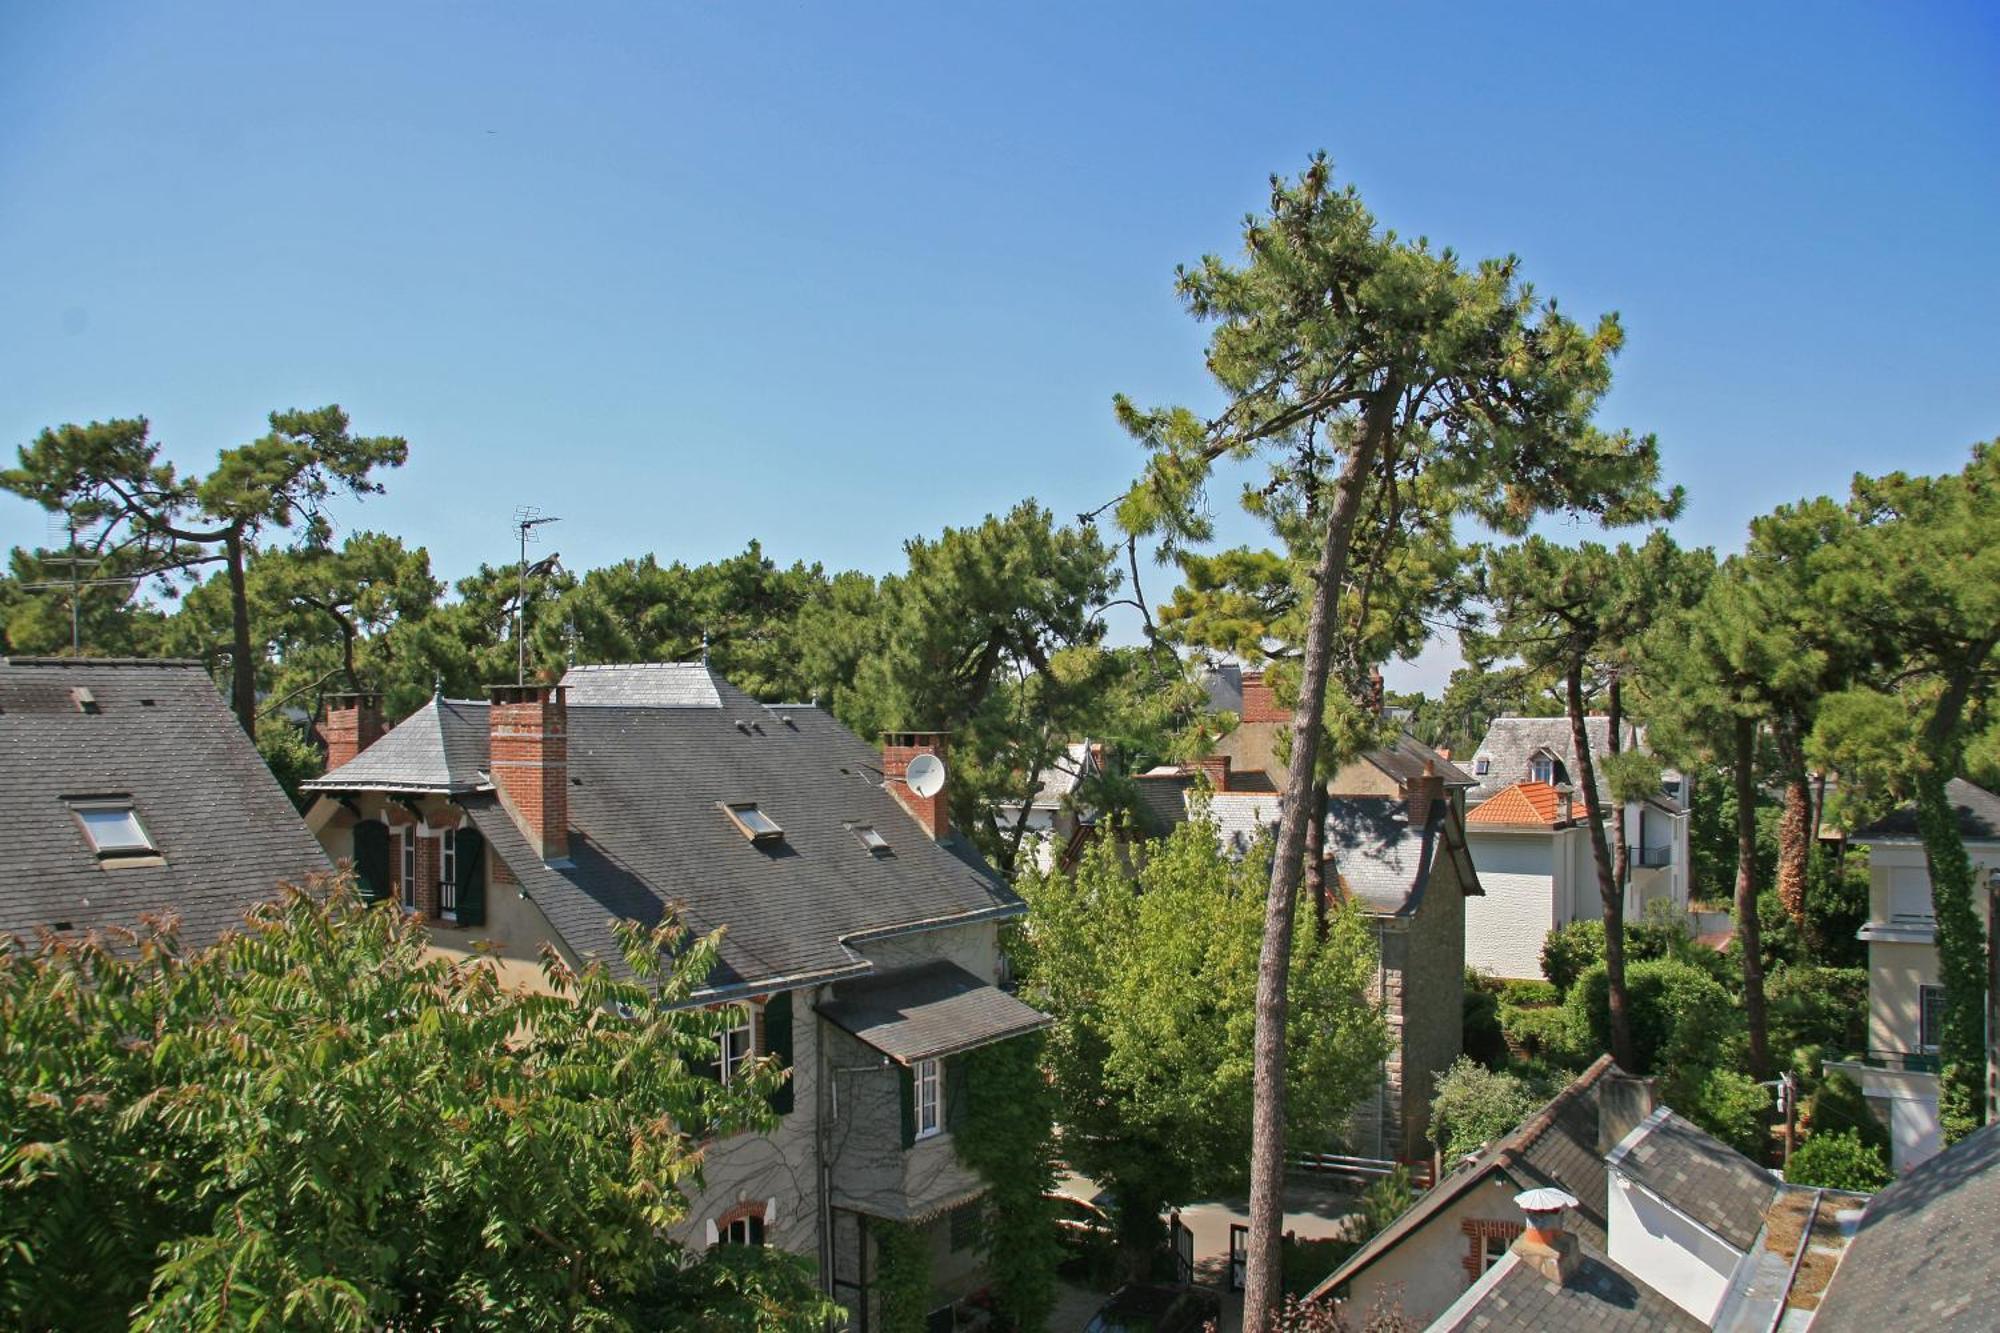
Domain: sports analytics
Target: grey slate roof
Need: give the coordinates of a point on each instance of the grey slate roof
(1699, 1175)
(1514, 1298)
(1555, 1146)
(1384, 863)
(927, 1012)
(643, 685)
(1404, 758)
(440, 747)
(227, 834)
(1162, 801)
(1923, 1257)
(646, 833)
(1977, 809)
(1511, 741)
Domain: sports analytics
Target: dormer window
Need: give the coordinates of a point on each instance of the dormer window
(753, 823)
(1542, 768)
(111, 826)
(1481, 766)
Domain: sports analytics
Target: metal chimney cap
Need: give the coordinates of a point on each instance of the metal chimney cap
(1544, 1200)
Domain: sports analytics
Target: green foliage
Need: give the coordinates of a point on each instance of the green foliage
(1681, 1016)
(1475, 1105)
(902, 1276)
(1836, 908)
(1151, 977)
(1822, 1007)
(1483, 1038)
(1542, 1032)
(1386, 1200)
(1309, 1262)
(1570, 952)
(1839, 1106)
(317, 1123)
(1839, 1160)
(1728, 1103)
(292, 758)
(1007, 1137)
(1523, 992)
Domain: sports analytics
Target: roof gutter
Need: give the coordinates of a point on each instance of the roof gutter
(1002, 912)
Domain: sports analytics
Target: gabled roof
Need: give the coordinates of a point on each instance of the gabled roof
(1522, 805)
(159, 733)
(1923, 1257)
(1977, 811)
(1511, 741)
(642, 685)
(1384, 861)
(646, 832)
(1698, 1174)
(1555, 1146)
(1600, 1297)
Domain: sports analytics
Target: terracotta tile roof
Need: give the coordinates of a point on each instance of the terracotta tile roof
(1530, 803)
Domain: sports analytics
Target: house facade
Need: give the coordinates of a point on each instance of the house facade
(128, 790)
(1529, 832)
(860, 931)
(1899, 1070)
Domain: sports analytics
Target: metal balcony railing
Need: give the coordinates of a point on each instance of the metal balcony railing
(1906, 1062)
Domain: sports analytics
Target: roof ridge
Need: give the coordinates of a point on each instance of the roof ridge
(1532, 1129)
(44, 661)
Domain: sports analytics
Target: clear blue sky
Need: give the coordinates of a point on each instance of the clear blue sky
(832, 275)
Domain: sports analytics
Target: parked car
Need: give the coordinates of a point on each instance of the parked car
(1153, 1308)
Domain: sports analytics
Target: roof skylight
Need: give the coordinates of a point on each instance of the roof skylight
(870, 838)
(112, 827)
(752, 822)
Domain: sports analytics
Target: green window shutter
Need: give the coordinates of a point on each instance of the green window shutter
(954, 1092)
(778, 1042)
(471, 877)
(906, 1089)
(371, 860)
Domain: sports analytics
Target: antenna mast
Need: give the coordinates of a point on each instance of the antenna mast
(75, 583)
(526, 519)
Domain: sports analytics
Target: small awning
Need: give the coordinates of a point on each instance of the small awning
(928, 1012)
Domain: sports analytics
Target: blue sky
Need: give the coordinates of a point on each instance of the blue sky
(830, 276)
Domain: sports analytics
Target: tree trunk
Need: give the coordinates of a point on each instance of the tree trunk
(1263, 1280)
(242, 667)
(1795, 822)
(1315, 871)
(1748, 935)
(1621, 853)
(1607, 884)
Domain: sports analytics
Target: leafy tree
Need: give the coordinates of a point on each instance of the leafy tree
(1682, 1017)
(1151, 977)
(1556, 611)
(138, 511)
(1919, 578)
(1360, 364)
(1474, 1105)
(1728, 1103)
(318, 1123)
(35, 617)
(1839, 1160)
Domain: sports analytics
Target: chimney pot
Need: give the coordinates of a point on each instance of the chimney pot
(349, 724)
(1544, 1246)
(528, 758)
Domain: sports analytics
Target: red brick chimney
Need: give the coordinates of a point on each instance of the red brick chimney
(1425, 791)
(1215, 768)
(528, 740)
(349, 724)
(1260, 702)
(898, 749)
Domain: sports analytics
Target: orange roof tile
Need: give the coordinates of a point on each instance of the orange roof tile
(1525, 803)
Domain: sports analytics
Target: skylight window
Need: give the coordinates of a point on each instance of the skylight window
(870, 838)
(753, 823)
(112, 828)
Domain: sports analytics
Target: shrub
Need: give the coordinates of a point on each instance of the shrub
(1474, 1105)
(1483, 1041)
(1570, 952)
(1818, 1006)
(1681, 1017)
(1384, 1201)
(1529, 994)
(1730, 1105)
(1840, 1107)
(1840, 1160)
(1541, 1034)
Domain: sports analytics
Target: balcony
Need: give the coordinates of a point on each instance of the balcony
(1652, 858)
(1895, 1062)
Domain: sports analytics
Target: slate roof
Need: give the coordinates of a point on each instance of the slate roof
(1242, 817)
(1162, 800)
(646, 833)
(1698, 1174)
(161, 734)
(1523, 805)
(1514, 1298)
(1384, 862)
(441, 747)
(1511, 741)
(1977, 809)
(1404, 758)
(1923, 1257)
(928, 1012)
(1555, 1146)
(643, 685)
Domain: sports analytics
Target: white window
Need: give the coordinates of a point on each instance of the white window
(1930, 1017)
(744, 1231)
(448, 875)
(409, 841)
(1542, 768)
(735, 1044)
(929, 1078)
(112, 827)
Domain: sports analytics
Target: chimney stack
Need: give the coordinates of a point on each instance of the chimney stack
(1623, 1103)
(1544, 1246)
(1426, 791)
(898, 749)
(1565, 802)
(528, 740)
(1214, 768)
(349, 724)
(1260, 701)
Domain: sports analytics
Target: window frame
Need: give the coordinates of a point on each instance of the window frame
(81, 808)
(728, 1065)
(1930, 1031)
(752, 1225)
(448, 874)
(927, 1095)
(1542, 768)
(1481, 766)
(406, 866)
(758, 827)
(1489, 1255)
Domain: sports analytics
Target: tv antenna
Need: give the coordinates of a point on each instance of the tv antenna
(76, 563)
(526, 519)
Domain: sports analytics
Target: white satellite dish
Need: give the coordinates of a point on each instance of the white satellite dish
(925, 776)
